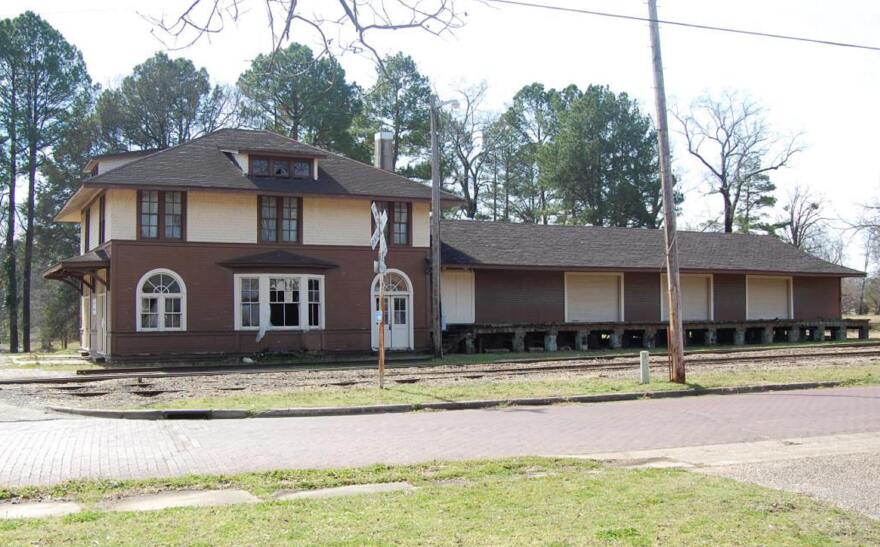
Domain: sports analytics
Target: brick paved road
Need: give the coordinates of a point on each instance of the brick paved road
(50, 451)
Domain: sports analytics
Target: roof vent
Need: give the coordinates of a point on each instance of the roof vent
(382, 151)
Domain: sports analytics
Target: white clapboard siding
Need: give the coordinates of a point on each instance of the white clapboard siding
(591, 297)
(457, 296)
(696, 297)
(768, 297)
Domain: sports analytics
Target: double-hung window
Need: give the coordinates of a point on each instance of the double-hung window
(397, 231)
(279, 219)
(284, 301)
(161, 215)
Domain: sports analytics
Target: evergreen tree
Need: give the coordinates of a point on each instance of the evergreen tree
(400, 102)
(162, 103)
(603, 163)
(308, 99)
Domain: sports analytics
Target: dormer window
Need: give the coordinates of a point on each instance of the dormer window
(282, 168)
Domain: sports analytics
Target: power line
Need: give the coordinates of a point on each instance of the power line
(686, 25)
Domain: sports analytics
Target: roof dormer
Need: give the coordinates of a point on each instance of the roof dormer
(106, 162)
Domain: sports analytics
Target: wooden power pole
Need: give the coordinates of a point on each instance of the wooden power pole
(436, 328)
(674, 338)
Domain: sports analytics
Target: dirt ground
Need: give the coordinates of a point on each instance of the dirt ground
(134, 392)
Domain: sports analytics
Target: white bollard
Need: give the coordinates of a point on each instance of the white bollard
(643, 366)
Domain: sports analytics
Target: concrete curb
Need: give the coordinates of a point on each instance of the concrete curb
(227, 414)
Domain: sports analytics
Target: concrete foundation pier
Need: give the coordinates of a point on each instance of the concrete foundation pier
(582, 340)
(550, 341)
(838, 332)
(710, 337)
(470, 343)
(649, 338)
(739, 337)
(863, 333)
(794, 334)
(616, 339)
(766, 335)
(519, 341)
(819, 333)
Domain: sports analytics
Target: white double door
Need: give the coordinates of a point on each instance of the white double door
(396, 322)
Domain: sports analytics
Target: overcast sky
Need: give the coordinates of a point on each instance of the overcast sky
(830, 94)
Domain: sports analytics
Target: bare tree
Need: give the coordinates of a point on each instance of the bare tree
(732, 140)
(466, 135)
(340, 25)
(804, 220)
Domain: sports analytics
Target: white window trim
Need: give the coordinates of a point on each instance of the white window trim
(263, 283)
(620, 288)
(141, 295)
(710, 277)
(790, 280)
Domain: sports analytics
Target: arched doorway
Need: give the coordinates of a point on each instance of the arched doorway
(398, 321)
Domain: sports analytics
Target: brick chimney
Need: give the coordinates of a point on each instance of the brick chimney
(382, 152)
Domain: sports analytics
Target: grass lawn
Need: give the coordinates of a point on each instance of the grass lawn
(517, 501)
(475, 389)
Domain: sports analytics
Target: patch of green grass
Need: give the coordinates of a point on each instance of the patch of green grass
(507, 389)
(501, 502)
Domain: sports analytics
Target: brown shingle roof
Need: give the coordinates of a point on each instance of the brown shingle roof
(476, 243)
(201, 163)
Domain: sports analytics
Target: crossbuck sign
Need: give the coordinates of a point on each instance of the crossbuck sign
(378, 238)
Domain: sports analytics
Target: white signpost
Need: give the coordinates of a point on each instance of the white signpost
(378, 240)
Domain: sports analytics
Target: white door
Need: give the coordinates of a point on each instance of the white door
(593, 298)
(397, 320)
(399, 314)
(768, 297)
(696, 297)
(457, 296)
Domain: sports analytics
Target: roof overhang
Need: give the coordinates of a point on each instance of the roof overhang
(71, 212)
(277, 259)
(281, 153)
(74, 270)
(615, 269)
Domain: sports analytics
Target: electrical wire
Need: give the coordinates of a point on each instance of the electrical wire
(686, 25)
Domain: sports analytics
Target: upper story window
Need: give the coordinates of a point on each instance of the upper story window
(161, 215)
(279, 219)
(298, 168)
(399, 227)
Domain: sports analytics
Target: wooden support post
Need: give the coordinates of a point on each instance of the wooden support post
(381, 330)
(864, 332)
(766, 335)
(674, 334)
(838, 332)
(794, 334)
(739, 336)
(819, 333)
(436, 333)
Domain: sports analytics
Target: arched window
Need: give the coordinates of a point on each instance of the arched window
(161, 301)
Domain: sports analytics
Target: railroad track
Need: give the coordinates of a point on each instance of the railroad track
(429, 372)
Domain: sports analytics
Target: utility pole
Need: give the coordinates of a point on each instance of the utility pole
(436, 328)
(674, 338)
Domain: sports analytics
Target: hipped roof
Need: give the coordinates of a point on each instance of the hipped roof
(207, 163)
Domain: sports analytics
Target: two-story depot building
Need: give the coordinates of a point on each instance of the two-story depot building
(245, 241)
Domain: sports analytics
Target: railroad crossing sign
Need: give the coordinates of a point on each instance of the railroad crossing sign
(378, 237)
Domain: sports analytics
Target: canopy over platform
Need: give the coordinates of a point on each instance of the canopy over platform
(74, 270)
(278, 259)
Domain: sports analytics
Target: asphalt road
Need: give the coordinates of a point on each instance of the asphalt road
(49, 451)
